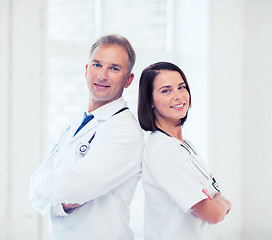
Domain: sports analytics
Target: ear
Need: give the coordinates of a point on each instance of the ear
(86, 69)
(129, 80)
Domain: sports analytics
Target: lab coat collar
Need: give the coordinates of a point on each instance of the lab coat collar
(101, 114)
(106, 111)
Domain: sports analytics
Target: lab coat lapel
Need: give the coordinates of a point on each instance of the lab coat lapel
(74, 126)
(101, 114)
(91, 124)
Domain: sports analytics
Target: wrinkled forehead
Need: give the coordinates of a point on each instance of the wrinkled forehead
(105, 46)
(110, 54)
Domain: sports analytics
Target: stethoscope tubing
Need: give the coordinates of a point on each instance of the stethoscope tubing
(195, 162)
(84, 148)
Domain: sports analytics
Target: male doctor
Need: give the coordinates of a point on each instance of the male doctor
(87, 183)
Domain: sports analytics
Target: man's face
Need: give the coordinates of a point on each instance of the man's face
(107, 75)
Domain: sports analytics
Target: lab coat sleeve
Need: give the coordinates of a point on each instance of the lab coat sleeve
(41, 203)
(169, 168)
(113, 158)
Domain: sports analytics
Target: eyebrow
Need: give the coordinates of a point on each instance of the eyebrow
(94, 60)
(116, 65)
(167, 86)
(183, 83)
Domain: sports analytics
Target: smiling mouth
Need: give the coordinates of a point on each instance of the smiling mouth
(100, 85)
(178, 106)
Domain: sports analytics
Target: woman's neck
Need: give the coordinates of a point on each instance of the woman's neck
(173, 130)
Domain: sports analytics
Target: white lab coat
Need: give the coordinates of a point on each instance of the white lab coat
(103, 181)
(172, 186)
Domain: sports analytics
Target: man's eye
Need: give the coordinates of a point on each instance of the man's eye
(96, 65)
(115, 69)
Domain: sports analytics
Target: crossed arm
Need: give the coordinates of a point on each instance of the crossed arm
(170, 172)
(108, 164)
(212, 210)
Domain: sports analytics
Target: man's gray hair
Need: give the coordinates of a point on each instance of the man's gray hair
(118, 40)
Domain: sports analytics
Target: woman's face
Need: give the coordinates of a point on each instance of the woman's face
(170, 97)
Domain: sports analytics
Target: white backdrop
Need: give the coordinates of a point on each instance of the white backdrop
(223, 46)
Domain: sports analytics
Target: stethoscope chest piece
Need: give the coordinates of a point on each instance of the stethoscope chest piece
(83, 149)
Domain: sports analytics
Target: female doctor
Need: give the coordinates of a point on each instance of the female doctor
(182, 199)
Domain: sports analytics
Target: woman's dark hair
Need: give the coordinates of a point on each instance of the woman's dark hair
(145, 100)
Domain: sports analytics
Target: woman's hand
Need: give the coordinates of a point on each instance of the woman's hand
(224, 201)
(212, 210)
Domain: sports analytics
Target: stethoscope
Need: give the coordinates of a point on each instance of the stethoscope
(196, 163)
(84, 148)
(201, 168)
(57, 146)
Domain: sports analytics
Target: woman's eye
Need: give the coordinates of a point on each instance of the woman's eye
(182, 87)
(165, 91)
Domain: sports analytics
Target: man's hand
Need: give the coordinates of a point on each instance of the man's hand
(70, 206)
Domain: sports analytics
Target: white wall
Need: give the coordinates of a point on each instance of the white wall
(240, 114)
(226, 106)
(229, 52)
(4, 106)
(21, 41)
(257, 139)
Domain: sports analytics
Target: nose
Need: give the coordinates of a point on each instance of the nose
(102, 75)
(176, 95)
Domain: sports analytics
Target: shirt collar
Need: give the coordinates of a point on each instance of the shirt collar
(107, 110)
